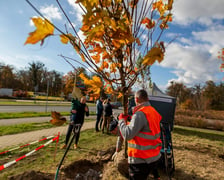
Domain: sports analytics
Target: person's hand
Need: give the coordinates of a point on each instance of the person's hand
(122, 116)
(86, 109)
(114, 156)
(74, 111)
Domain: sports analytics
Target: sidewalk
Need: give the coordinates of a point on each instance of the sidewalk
(7, 122)
(28, 137)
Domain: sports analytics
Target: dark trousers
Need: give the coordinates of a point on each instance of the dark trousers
(98, 118)
(141, 171)
(68, 134)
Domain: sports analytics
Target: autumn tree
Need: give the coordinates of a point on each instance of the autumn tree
(35, 72)
(221, 57)
(214, 94)
(7, 76)
(179, 91)
(117, 33)
(71, 78)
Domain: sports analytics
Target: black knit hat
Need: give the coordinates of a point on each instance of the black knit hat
(113, 125)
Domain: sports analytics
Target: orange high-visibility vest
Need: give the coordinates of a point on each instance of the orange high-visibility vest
(147, 145)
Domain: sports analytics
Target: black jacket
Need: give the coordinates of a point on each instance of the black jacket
(107, 109)
(81, 114)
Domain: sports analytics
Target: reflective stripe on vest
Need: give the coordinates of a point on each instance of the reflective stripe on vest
(147, 145)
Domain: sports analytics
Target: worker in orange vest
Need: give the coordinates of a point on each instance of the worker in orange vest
(143, 136)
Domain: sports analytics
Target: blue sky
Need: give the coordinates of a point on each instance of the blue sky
(191, 58)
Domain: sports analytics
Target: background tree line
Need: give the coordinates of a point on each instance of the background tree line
(199, 97)
(37, 78)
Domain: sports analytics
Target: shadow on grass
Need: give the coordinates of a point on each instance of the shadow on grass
(201, 134)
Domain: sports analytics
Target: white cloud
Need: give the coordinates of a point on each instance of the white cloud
(51, 12)
(212, 36)
(77, 11)
(191, 64)
(202, 11)
(21, 61)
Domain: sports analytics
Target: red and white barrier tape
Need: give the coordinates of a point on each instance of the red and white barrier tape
(27, 144)
(28, 154)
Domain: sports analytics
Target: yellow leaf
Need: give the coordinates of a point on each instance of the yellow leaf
(153, 54)
(160, 7)
(43, 29)
(94, 84)
(64, 38)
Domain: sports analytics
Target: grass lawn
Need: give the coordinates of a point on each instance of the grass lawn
(195, 152)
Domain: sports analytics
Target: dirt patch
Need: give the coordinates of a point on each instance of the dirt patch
(91, 168)
(79, 168)
(32, 175)
(194, 160)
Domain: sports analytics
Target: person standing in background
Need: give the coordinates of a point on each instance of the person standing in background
(78, 111)
(107, 115)
(99, 113)
(82, 111)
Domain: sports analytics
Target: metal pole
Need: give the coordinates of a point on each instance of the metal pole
(47, 96)
(76, 129)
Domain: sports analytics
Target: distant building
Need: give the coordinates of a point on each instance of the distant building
(6, 92)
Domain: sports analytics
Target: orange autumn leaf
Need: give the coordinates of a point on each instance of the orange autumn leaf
(105, 55)
(138, 41)
(97, 49)
(145, 20)
(116, 44)
(109, 90)
(105, 64)
(113, 68)
(170, 4)
(82, 57)
(119, 95)
(107, 74)
(149, 23)
(84, 28)
(96, 58)
(43, 29)
(164, 25)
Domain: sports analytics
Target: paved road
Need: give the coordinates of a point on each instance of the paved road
(34, 108)
(8, 122)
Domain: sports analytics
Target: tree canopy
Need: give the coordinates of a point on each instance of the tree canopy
(117, 33)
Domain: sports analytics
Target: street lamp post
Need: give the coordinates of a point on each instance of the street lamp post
(47, 95)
